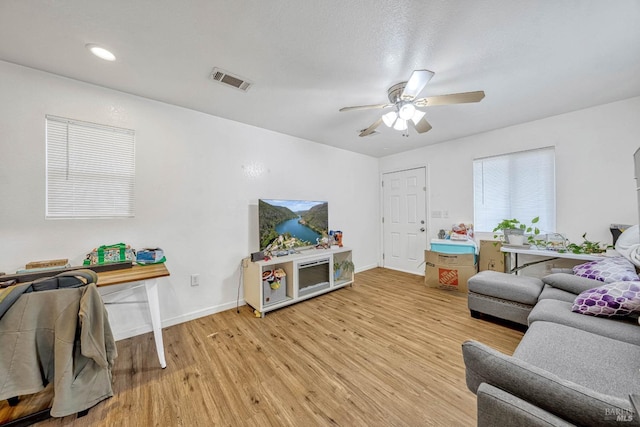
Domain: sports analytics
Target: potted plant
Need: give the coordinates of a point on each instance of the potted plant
(587, 247)
(342, 267)
(513, 230)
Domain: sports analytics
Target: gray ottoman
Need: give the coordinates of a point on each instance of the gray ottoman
(503, 295)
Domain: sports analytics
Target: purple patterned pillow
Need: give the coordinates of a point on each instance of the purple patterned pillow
(612, 299)
(607, 270)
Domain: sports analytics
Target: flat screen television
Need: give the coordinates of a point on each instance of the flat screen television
(292, 223)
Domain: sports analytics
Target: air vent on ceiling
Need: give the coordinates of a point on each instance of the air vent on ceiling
(221, 76)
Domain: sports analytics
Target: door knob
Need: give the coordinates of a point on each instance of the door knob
(422, 229)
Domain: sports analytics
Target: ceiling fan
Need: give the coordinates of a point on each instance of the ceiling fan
(402, 96)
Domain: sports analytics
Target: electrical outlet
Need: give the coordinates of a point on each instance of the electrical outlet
(195, 280)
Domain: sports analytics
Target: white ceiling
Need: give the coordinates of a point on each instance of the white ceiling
(307, 59)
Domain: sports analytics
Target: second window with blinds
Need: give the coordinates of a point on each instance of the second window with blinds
(519, 185)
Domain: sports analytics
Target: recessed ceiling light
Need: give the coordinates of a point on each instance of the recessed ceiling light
(100, 52)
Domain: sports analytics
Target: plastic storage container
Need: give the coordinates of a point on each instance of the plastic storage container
(446, 246)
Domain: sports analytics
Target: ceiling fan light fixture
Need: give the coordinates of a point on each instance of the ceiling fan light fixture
(403, 98)
(100, 52)
(400, 124)
(406, 111)
(389, 118)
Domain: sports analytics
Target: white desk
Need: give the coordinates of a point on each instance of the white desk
(547, 255)
(148, 274)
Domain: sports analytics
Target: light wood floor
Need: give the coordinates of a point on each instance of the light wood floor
(383, 352)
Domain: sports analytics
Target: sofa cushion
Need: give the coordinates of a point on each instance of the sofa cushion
(622, 329)
(609, 300)
(505, 286)
(607, 270)
(548, 391)
(602, 364)
(570, 282)
(499, 408)
(550, 292)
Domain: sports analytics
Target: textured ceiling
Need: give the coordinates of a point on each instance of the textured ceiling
(307, 59)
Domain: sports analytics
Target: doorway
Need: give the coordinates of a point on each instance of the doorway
(404, 220)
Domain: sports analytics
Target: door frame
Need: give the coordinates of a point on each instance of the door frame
(427, 203)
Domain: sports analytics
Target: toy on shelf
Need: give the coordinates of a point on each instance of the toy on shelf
(338, 236)
(461, 232)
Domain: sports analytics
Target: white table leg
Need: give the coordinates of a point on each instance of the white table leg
(154, 309)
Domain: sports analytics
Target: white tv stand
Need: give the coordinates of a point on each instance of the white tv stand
(297, 286)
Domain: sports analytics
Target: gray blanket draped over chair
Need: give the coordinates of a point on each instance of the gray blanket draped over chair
(60, 336)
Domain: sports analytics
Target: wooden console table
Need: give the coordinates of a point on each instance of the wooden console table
(148, 274)
(547, 256)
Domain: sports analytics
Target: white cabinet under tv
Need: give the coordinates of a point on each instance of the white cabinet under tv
(281, 281)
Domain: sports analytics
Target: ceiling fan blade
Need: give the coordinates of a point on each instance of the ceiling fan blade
(366, 107)
(417, 82)
(422, 125)
(370, 129)
(454, 98)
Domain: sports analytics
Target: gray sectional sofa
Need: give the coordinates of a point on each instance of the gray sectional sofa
(569, 368)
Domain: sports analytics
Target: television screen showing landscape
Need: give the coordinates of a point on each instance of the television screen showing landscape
(300, 222)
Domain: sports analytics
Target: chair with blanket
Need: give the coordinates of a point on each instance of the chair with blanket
(56, 330)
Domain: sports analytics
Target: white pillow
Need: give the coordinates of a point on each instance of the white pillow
(628, 244)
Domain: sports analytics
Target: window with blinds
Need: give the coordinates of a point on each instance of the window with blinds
(90, 170)
(519, 185)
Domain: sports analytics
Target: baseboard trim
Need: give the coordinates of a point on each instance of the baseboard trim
(146, 328)
(366, 267)
(417, 273)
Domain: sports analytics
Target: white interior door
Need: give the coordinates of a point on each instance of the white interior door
(404, 228)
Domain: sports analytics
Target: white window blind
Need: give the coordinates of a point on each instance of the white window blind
(519, 185)
(90, 170)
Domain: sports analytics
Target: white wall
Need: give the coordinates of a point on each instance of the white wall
(197, 197)
(195, 186)
(594, 168)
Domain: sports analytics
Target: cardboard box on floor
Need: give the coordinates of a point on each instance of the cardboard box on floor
(448, 271)
(490, 256)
